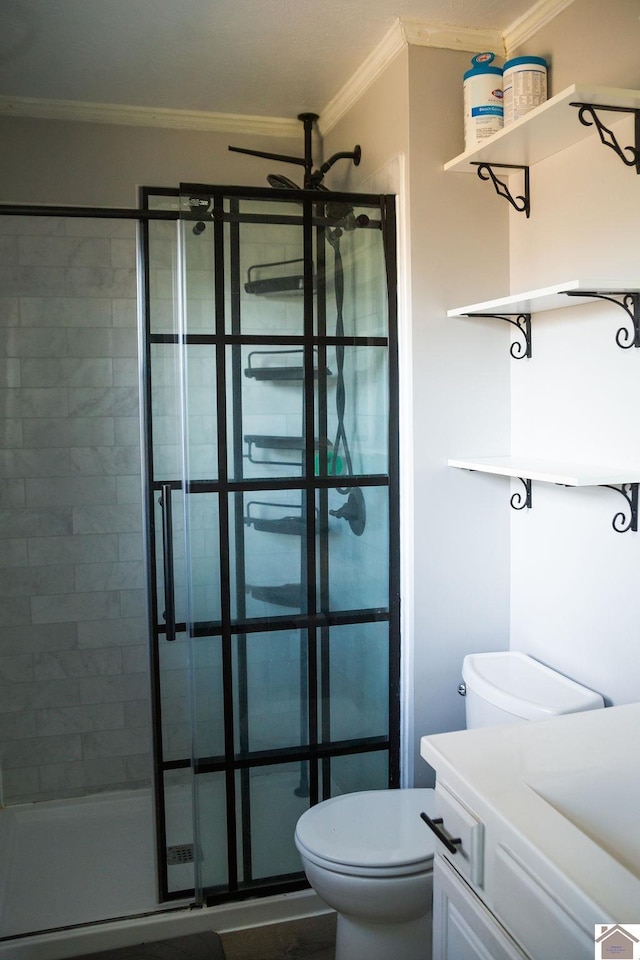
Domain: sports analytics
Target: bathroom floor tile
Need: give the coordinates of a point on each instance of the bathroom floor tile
(309, 939)
(197, 946)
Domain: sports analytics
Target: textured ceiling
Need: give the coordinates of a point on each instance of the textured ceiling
(254, 57)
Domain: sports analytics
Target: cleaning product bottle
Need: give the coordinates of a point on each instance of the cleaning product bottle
(524, 86)
(483, 112)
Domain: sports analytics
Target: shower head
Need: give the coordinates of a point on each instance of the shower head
(312, 179)
(281, 183)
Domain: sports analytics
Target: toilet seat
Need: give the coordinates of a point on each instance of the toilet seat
(374, 833)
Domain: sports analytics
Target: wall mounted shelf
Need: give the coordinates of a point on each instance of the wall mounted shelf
(558, 123)
(623, 480)
(562, 121)
(546, 130)
(518, 308)
(566, 474)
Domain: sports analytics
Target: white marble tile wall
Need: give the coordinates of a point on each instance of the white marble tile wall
(74, 700)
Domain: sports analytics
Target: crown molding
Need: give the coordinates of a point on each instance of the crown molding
(447, 36)
(535, 19)
(147, 116)
(402, 34)
(378, 60)
(435, 34)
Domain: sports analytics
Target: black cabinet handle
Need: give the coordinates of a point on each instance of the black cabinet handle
(167, 557)
(450, 843)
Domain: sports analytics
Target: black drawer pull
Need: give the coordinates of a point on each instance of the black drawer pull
(450, 843)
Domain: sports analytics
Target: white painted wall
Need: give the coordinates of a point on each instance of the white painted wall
(555, 581)
(574, 598)
(93, 164)
(454, 532)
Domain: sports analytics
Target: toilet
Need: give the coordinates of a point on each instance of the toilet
(369, 855)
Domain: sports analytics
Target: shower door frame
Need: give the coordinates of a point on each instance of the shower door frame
(319, 749)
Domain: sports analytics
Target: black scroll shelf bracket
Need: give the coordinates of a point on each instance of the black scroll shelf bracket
(522, 323)
(588, 117)
(519, 500)
(624, 521)
(630, 303)
(522, 202)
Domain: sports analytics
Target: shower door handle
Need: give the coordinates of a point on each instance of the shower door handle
(167, 556)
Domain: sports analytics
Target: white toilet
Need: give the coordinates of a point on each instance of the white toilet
(369, 855)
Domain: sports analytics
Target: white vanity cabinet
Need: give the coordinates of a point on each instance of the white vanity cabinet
(463, 927)
(516, 918)
(534, 849)
(488, 904)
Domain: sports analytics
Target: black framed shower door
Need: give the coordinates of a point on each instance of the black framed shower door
(271, 431)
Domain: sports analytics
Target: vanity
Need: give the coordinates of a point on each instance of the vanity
(540, 835)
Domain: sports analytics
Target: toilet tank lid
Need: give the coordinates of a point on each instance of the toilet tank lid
(371, 828)
(524, 687)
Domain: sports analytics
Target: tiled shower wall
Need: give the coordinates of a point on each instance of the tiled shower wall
(74, 687)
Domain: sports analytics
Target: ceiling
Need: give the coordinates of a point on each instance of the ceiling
(264, 58)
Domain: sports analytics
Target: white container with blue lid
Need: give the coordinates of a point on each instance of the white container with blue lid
(524, 86)
(483, 112)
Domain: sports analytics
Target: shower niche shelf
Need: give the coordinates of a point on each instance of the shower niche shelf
(560, 122)
(283, 371)
(624, 480)
(284, 595)
(276, 279)
(518, 308)
(277, 518)
(256, 441)
(265, 521)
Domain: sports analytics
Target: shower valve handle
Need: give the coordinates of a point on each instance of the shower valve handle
(345, 512)
(354, 511)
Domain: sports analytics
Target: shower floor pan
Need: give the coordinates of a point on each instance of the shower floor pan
(89, 864)
(76, 861)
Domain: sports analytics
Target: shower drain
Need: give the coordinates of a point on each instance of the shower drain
(180, 853)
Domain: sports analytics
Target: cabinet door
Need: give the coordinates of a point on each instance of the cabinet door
(463, 928)
(540, 920)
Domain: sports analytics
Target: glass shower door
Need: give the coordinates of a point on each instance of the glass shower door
(285, 576)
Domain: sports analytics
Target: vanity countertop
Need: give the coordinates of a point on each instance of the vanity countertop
(563, 791)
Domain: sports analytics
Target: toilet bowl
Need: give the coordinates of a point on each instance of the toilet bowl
(369, 855)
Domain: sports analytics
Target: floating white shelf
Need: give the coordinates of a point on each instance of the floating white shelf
(565, 119)
(546, 130)
(548, 298)
(551, 471)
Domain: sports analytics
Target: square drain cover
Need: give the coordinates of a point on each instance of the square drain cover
(180, 853)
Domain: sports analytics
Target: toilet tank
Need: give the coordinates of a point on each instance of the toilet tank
(511, 687)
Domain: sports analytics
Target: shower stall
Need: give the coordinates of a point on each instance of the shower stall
(194, 652)
(273, 495)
